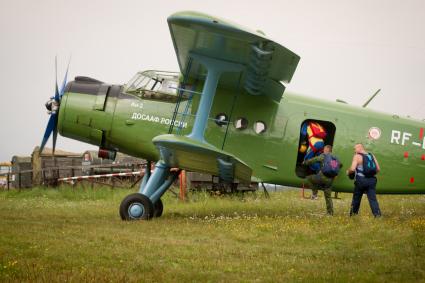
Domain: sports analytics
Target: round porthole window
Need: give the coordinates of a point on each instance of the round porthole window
(241, 123)
(221, 119)
(260, 127)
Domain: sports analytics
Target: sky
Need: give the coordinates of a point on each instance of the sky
(348, 50)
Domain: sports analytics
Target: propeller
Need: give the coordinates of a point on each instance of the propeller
(53, 109)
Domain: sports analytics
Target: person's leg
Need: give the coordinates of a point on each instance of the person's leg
(371, 195)
(357, 197)
(328, 198)
(314, 181)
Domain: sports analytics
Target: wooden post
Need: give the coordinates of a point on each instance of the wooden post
(56, 183)
(8, 181)
(183, 184)
(43, 173)
(302, 191)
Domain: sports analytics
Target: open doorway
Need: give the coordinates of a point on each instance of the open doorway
(314, 135)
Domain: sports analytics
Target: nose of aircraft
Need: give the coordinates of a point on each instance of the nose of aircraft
(87, 110)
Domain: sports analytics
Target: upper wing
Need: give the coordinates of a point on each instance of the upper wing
(266, 62)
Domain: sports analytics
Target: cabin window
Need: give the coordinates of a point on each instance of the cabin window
(260, 127)
(314, 135)
(156, 85)
(241, 123)
(221, 119)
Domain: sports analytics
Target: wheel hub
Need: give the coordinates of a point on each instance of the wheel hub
(136, 210)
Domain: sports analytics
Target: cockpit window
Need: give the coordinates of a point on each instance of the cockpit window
(155, 85)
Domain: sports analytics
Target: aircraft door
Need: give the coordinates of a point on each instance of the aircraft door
(314, 134)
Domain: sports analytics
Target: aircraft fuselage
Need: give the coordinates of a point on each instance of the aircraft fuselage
(267, 137)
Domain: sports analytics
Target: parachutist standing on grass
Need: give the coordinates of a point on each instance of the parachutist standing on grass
(365, 166)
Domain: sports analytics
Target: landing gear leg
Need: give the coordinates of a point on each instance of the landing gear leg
(147, 202)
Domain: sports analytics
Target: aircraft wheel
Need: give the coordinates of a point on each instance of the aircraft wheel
(158, 208)
(136, 207)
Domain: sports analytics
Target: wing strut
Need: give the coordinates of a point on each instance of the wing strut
(181, 91)
(215, 68)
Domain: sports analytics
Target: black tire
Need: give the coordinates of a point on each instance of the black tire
(158, 208)
(142, 207)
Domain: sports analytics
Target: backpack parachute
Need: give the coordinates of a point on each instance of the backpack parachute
(331, 166)
(369, 165)
(317, 130)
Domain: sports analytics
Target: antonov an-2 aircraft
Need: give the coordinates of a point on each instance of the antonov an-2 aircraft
(227, 114)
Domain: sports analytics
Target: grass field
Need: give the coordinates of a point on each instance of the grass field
(74, 235)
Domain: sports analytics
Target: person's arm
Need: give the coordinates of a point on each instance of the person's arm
(378, 168)
(353, 164)
(313, 160)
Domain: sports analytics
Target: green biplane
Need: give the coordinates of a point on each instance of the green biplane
(227, 113)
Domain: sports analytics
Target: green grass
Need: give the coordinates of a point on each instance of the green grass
(76, 235)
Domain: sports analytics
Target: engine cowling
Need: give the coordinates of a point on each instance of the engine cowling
(87, 109)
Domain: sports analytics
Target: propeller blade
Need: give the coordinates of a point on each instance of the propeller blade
(56, 80)
(55, 134)
(51, 126)
(62, 89)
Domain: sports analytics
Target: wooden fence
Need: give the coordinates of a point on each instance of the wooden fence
(50, 176)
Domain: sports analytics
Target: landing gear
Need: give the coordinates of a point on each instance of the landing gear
(136, 207)
(147, 202)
